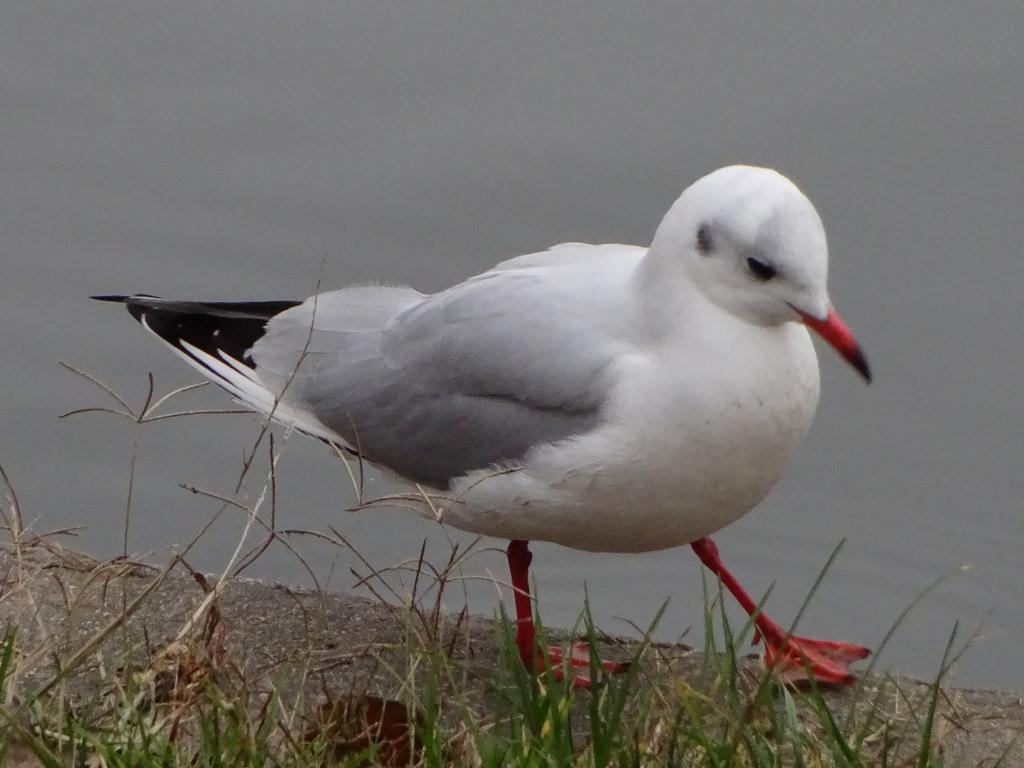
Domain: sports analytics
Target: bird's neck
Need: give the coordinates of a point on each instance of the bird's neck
(666, 296)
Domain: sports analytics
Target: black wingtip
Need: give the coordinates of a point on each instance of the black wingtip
(117, 298)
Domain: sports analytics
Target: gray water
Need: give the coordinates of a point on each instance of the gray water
(251, 149)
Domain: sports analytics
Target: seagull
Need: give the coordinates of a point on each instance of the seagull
(608, 398)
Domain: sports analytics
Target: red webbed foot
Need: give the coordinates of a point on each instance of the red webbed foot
(579, 664)
(795, 659)
(553, 659)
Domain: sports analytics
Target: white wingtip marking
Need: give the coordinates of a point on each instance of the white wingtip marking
(245, 370)
(243, 383)
(246, 387)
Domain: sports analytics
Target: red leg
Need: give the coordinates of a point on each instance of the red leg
(519, 559)
(534, 659)
(790, 655)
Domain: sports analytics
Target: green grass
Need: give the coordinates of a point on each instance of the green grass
(195, 708)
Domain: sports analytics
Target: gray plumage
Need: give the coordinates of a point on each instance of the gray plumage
(430, 386)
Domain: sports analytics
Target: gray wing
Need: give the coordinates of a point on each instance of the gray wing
(436, 386)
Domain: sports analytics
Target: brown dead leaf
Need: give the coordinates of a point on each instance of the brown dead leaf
(353, 724)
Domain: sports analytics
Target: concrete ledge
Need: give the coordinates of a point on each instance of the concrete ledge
(64, 606)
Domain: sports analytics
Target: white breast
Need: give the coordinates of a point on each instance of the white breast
(694, 439)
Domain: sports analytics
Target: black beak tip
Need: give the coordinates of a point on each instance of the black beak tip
(858, 361)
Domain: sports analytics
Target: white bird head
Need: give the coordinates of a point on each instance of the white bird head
(753, 244)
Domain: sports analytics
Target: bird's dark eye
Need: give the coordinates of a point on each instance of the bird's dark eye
(705, 243)
(762, 271)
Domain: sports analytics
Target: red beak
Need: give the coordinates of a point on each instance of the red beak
(833, 330)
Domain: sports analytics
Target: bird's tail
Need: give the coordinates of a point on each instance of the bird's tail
(215, 338)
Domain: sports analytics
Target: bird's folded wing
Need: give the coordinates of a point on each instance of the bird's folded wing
(436, 386)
